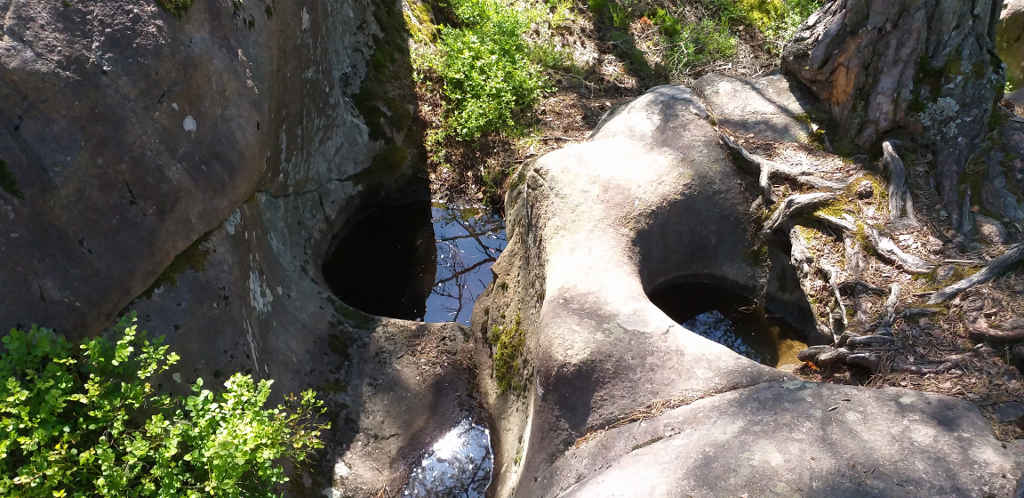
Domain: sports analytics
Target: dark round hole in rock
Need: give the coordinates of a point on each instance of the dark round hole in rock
(383, 261)
(728, 316)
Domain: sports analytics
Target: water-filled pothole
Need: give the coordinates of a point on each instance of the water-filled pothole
(460, 463)
(383, 262)
(728, 318)
(468, 242)
(416, 261)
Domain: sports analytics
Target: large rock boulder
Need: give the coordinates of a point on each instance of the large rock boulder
(614, 398)
(198, 169)
(1010, 40)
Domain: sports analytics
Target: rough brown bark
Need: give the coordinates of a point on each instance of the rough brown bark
(923, 67)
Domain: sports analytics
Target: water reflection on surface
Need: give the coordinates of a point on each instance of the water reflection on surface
(468, 243)
(458, 464)
(768, 343)
(728, 318)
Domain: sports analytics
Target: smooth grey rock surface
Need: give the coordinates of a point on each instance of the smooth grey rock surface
(622, 401)
(1010, 39)
(776, 108)
(800, 439)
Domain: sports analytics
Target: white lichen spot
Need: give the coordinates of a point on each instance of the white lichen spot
(259, 294)
(232, 222)
(940, 113)
(174, 105)
(189, 124)
(341, 470)
(305, 19)
(177, 377)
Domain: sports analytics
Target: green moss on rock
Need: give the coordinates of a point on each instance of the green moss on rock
(509, 343)
(177, 8)
(192, 258)
(8, 182)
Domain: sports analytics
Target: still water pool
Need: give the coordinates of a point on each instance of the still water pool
(468, 242)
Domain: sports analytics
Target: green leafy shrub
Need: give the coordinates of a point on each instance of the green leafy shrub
(489, 78)
(777, 20)
(612, 12)
(699, 44)
(87, 421)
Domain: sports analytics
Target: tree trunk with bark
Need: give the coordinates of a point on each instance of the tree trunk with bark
(926, 69)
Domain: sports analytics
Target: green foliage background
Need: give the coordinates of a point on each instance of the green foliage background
(484, 64)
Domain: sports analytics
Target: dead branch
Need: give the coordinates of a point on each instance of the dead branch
(995, 268)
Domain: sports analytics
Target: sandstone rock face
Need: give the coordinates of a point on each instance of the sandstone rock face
(620, 400)
(1010, 39)
(197, 170)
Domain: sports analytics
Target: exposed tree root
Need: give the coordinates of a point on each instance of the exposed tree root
(901, 204)
(881, 244)
(806, 267)
(829, 357)
(765, 170)
(875, 350)
(792, 206)
(860, 287)
(981, 331)
(995, 268)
